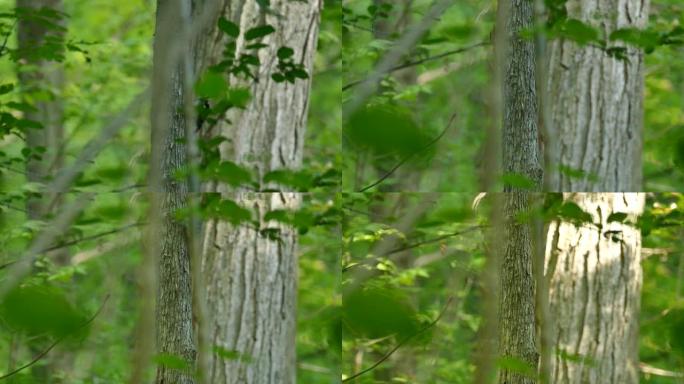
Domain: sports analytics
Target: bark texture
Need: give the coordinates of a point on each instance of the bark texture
(169, 154)
(517, 332)
(251, 296)
(595, 280)
(252, 280)
(269, 133)
(597, 109)
(521, 157)
(521, 151)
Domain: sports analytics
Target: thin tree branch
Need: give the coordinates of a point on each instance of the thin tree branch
(401, 343)
(651, 370)
(421, 61)
(54, 344)
(82, 239)
(391, 58)
(406, 158)
(434, 240)
(4, 43)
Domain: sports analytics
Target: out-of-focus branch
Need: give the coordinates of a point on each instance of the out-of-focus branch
(421, 61)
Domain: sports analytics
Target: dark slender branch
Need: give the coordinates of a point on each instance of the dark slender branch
(91, 237)
(4, 43)
(401, 343)
(433, 240)
(405, 159)
(421, 61)
(415, 245)
(54, 344)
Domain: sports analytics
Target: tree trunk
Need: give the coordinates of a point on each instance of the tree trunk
(597, 109)
(521, 158)
(595, 278)
(596, 117)
(517, 341)
(41, 79)
(174, 296)
(252, 280)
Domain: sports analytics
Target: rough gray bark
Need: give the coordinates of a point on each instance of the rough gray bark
(517, 332)
(596, 121)
(36, 74)
(174, 295)
(597, 109)
(521, 150)
(595, 277)
(251, 280)
(521, 156)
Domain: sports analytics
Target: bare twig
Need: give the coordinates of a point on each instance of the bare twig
(400, 344)
(54, 344)
(421, 61)
(82, 239)
(414, 245)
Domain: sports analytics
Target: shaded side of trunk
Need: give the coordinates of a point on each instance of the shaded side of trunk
(521, 158)
(521, 150)
(596, 116)
(174, 296)
(41, 77)
(594, 274)
(517, 332)
(251, 280)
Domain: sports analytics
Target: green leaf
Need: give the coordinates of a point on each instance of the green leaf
(617, 217)
(386, 129)
(258, 32)
(518, 181)
(300, 180)
(41, 309)
(517, 365)
(299, 73)
(6, 88)
(239, 97)
(572, 212)
(173, 361)
(285, 53)
(227, 172)
(231, 354)
(212, 85)
(228, 210)
(646, 39)
(577, 31)
(377, 312)
(230, 28)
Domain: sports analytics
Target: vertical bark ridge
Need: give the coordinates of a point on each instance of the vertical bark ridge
(597, 318)
(253, 297)
(252, 280)
(597, 111)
